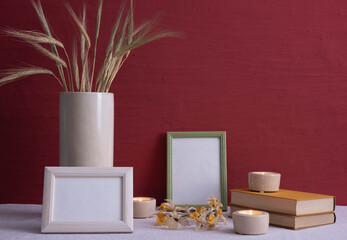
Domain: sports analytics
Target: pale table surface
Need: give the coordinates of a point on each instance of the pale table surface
(23, 221)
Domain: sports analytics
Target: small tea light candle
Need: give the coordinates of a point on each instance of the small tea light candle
(264, 181)
(250, 222)
(144, 207)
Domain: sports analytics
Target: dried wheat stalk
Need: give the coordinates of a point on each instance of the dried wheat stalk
(124, 38)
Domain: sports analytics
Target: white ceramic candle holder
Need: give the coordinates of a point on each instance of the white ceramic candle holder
(144, 207)
(264, 181)
(250, 222)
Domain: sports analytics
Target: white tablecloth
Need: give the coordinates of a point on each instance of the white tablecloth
(22, 221)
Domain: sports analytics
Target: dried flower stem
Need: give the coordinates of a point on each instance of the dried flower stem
(206, 218)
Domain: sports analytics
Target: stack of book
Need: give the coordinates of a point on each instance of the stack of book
(289, 209)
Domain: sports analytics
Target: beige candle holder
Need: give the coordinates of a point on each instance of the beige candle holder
(144, 207)
(250, 222)
(264, 181)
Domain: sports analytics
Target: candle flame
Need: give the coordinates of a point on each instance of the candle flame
(140, 199)
(250, 212)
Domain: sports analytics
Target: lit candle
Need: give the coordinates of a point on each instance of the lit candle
(144, 207)
(250, 222)
(264, 181)
(250, 212)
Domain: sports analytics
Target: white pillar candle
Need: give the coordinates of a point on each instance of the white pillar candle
(264, 181)
(250, 222)
(144, 207)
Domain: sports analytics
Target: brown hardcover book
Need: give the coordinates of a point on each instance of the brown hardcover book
(284, 201)
(293, 222)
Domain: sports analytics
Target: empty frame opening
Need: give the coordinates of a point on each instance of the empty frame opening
(195, 169)
(88, 199)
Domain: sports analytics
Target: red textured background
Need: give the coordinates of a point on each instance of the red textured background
(273, 74)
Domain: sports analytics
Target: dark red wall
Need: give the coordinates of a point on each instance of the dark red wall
(273, 74)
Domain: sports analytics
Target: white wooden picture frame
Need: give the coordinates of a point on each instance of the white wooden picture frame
(87, 199)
